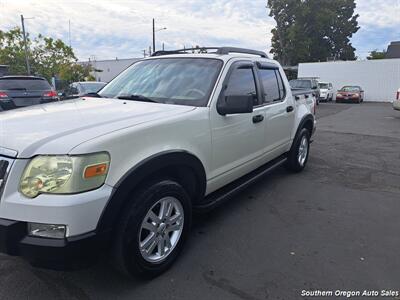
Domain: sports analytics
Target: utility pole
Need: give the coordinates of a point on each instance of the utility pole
(28, 68)
(154, 36)
(69, 32)
(144, 53)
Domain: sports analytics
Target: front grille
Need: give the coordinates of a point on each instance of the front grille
(5, 166)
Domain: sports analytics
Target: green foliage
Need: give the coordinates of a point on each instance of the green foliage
(12, 50)
(375, 54)
(312, 30)
(76, 72)
(47, 57)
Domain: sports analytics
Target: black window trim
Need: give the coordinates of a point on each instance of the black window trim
(271, 66)
(244, 64)
(282, 97)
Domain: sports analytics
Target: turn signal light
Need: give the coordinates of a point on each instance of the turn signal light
(50, 94)
(95, 170)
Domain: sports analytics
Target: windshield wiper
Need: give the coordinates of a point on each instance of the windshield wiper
(95, 95)
(137, 98)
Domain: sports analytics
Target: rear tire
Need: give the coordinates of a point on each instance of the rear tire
(153, 229)
(298, 154)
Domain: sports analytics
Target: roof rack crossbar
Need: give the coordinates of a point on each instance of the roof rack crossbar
(219, 50)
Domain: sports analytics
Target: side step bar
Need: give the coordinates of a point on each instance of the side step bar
(216, 198)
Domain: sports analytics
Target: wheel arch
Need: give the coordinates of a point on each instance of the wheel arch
(306, 122)
(181, 165)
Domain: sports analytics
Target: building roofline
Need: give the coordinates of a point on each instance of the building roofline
(351, 61)
(107, 60)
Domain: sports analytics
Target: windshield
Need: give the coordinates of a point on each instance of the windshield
(91, 87)
(350, 89)
(24, 84)
(300, 84)
(186, 81)
(323, 85)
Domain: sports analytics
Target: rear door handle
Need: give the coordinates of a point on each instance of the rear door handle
(258, 118)
(289, 109)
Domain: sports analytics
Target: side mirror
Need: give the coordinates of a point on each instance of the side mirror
(235, 105)
(314, 87)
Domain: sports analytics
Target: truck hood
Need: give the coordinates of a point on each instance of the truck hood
(58, 127)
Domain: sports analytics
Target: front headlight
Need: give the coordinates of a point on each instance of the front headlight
(64, 174)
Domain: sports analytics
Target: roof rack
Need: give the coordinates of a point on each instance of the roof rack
(219, 50)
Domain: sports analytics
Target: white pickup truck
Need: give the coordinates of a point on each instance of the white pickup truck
(123, 170)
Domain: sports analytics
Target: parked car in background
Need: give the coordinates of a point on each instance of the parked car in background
(305, 83)
(79, 89)
(21, 91)
(350, 93)
(326, 91)
(396, 102)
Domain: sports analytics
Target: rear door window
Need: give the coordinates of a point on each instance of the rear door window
(24, 84)
(272, 88)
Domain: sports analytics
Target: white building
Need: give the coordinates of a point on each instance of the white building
(379, 78)
(105, 70)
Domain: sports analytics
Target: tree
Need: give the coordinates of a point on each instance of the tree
(48, 57)
(375, 54)
(12, 50)
(312, 30)
(76, 72)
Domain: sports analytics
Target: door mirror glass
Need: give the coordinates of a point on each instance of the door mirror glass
(236, 105)
(240, 93)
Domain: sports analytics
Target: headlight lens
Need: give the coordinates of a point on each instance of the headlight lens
(64, 174)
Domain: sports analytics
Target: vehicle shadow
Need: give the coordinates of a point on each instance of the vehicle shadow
(102, 280)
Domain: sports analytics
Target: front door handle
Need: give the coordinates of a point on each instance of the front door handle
(289, 109)
(258, 118)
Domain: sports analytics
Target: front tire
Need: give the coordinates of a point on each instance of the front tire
(298, 154)
(153, 229)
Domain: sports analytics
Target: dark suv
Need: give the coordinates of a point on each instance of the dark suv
(306, 83)
(21, 91)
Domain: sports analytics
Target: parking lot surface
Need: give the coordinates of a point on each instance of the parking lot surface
(334, 226)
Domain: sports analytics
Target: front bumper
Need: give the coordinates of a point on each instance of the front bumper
(59, 254)
(80, 213)
(348, 99)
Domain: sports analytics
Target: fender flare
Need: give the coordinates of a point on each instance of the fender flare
(144, 169)
(304, 120)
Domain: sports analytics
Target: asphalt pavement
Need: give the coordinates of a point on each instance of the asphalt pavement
(334, 226)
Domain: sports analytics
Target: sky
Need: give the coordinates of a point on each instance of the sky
(105, 29)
